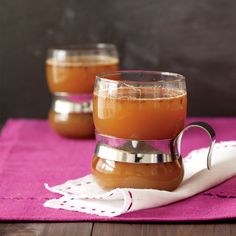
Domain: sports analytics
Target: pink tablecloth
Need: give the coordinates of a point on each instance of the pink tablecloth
(31, 154)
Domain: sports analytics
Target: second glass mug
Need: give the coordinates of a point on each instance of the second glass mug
(71, 72)
(139, 118)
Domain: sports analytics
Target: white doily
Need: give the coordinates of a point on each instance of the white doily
(84, 195)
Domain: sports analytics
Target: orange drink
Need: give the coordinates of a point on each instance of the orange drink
(136, 109)
(76, 74)
(139, 119)
(72, 71)
(162, 176)
(72, 125)
(140, 113)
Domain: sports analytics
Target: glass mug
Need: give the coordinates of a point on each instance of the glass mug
(139, 118)
(71, 72)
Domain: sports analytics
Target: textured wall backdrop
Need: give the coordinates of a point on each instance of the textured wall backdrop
(195, 38)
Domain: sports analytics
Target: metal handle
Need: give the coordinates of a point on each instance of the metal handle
(175, 143)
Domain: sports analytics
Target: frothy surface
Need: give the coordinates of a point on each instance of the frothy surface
(83, 60)
(141, 93)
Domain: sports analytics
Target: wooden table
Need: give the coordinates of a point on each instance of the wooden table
(111, 229)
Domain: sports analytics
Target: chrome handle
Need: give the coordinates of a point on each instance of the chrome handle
(175, 143)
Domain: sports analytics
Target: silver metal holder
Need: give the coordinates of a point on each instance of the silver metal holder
(148, 151)
(72, 103)
(175, 144)
(134, 151)
(107, 152)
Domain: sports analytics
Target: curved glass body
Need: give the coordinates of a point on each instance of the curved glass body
(162, 176)
(71, 71)
(139, 105)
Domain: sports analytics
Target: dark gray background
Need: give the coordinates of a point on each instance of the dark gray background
(194, 38)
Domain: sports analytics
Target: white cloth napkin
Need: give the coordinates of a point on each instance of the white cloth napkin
(84, 195)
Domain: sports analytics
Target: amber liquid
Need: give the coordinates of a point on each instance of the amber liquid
(76, 74)
(73, 125)
(140, 113)
(162, 176)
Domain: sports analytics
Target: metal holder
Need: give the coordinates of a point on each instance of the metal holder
(70, 103)
(148, 151)
(176, 143)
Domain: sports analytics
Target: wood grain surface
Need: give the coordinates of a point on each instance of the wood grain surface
(58, 229)
(116, 229)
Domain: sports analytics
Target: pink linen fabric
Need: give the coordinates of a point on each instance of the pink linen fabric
(31, 154)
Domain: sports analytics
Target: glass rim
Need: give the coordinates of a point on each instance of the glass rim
(175, 76)
(82, 47)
